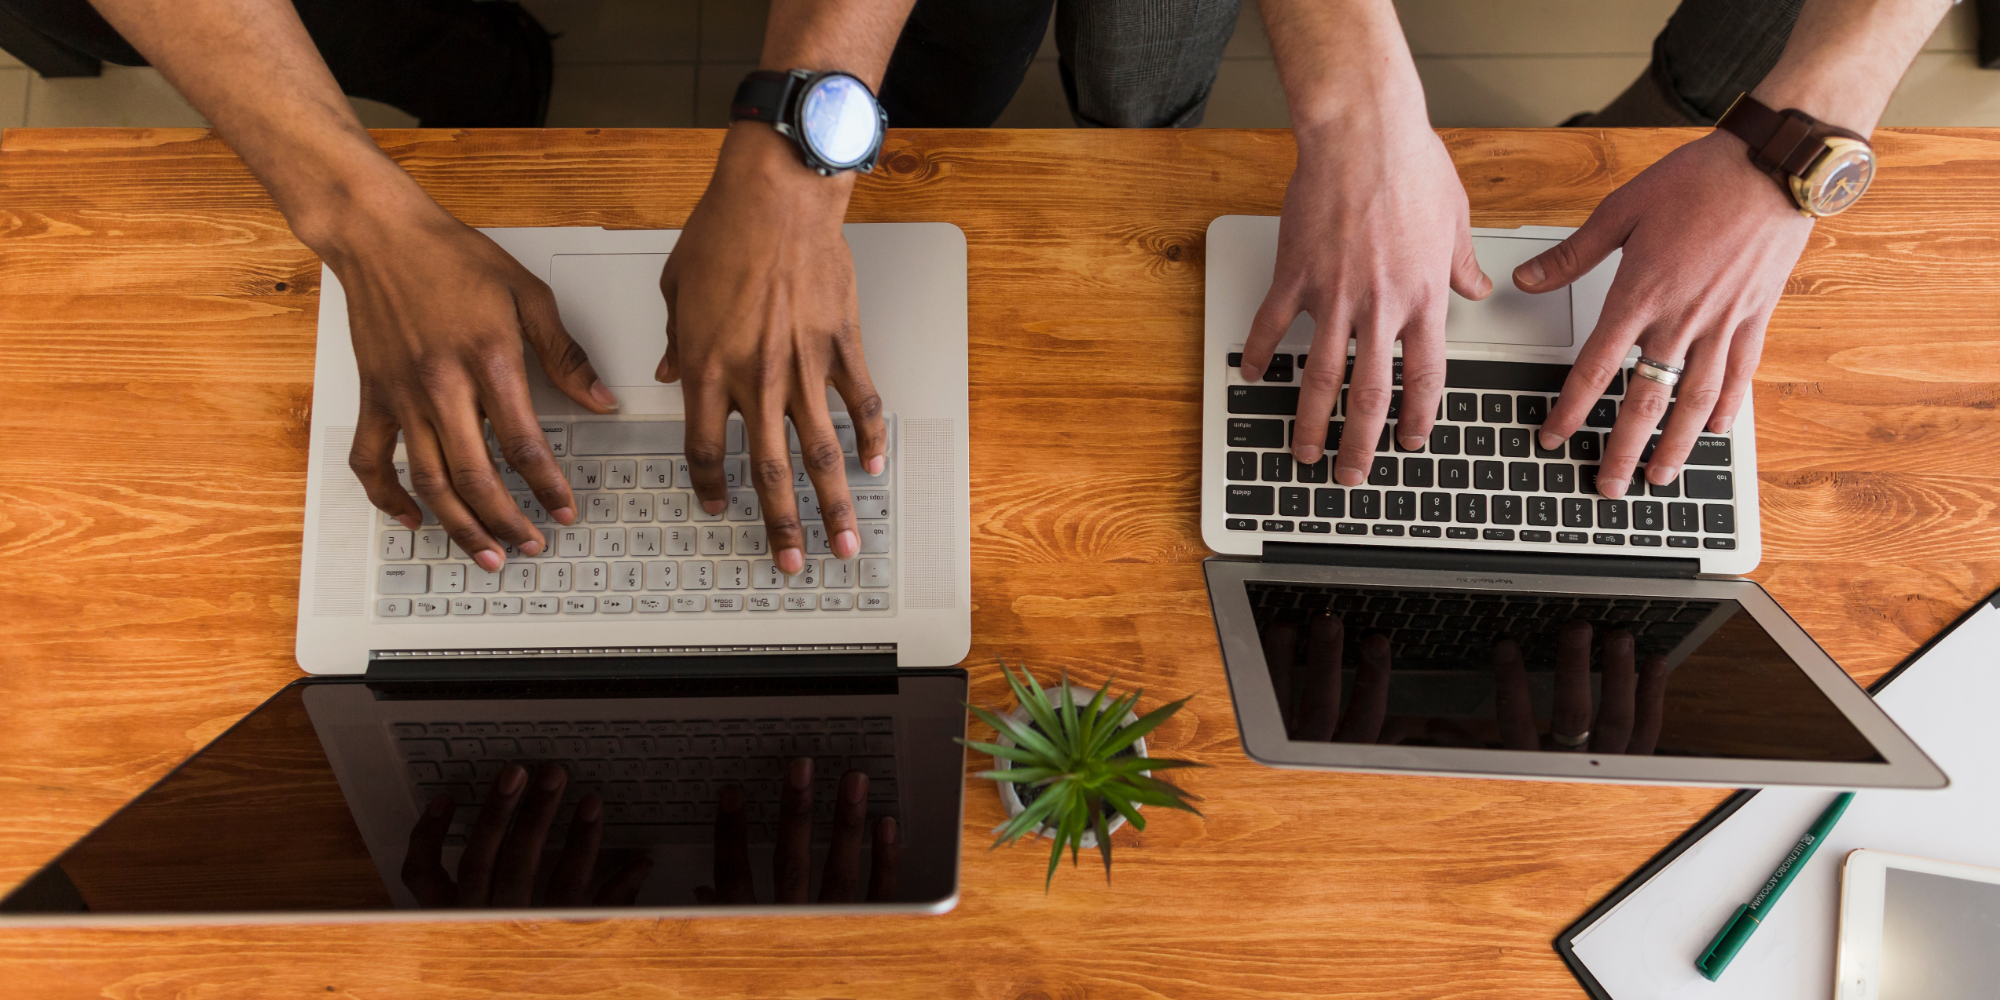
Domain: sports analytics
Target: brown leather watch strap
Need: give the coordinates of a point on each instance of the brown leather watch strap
(1785, 141)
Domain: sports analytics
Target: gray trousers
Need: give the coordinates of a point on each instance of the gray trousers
(1152, 63)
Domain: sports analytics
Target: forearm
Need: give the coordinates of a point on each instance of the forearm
(1344, 64)
(1845, 57)
(250, 68)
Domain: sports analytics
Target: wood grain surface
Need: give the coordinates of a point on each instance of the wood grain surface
(156, 335)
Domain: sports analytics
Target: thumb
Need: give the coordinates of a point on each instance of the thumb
(1556, 267)
(564, 360)
(1466, 277)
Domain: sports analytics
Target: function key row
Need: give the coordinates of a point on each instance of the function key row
(1334, 503)
(1459, 373)
(1487, 534)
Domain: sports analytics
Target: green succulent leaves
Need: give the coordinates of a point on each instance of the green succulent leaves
(1070, 752)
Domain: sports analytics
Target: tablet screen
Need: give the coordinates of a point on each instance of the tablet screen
(1938, 936)
(1521, 670)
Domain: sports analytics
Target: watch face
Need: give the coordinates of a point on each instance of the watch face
(839, 120)
(1840, 176)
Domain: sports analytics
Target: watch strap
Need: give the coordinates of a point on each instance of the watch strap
(1785, 142)
(761, 96)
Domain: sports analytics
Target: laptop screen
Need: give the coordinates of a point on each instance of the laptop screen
(344, 797)
(1520, 670)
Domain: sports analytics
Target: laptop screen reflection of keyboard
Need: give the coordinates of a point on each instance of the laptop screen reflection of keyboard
(660, 780)
(641, 544)
(1481, 478)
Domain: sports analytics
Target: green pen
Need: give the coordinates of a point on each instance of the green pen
(1736, 933)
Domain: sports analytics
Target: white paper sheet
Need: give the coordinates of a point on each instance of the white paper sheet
(1949, 703)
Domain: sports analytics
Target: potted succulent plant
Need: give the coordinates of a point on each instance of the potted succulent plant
(1074, 771)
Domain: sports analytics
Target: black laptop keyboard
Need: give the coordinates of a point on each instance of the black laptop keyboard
(1454, 630)
(1482, 478)
(660, 780)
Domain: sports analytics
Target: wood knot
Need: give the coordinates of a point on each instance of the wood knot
(906, 163)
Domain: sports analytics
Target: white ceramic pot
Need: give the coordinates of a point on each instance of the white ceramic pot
(1012, 799)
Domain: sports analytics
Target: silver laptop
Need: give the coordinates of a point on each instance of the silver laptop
(1476, 607)
(644, 570)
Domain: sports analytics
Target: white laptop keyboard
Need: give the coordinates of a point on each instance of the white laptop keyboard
(641, 544)
(1482, 477)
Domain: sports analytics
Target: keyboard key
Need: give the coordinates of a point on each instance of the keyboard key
(1280, 369)
(393, 607)
(1330, 503)
(1718, 518)
(1261, 399)
(1603, 413)
(1584, 446)
(1454, 474)
(1365, 504)
(1649, 515)
(836, 573)
(1316, 472)
(503, 606)
(743, 505)
(1586, 479)
(1417, 472)
(873, 601)
(600, 508)
(637, 507)
(1572, 537)
(585, 474)
(1389, 529)
(1646, 541)
(478, 580)
(1576, 513)
(1276, 525)
(1559, 478)
(1498, 534)
(1606, 538)
(468, 605)
(1705, 484)
(1532, 535)
(715, 540)
(1712, 451)
(1444, 440)
(1718, 543)
(1559, 451)
(1611, 514)
(1671, 489)
(1316, 527)
(1524, 477)
(1437, 506)
(1496, 409)
(839, 601)
(1507, 510)
(1382, 472)
(1514, 442)
(801, 602)
(431, 543)
(672, 507)
(608, 543)
(875, 573)
(1471, 508)
(1531, 410)
(751, 540)
(428, 607)
(761, 602)
(1459, 533)
(448, 579)
(732, 574)
(1248, 433)
(542, 605)
(1350, 528)
(1489, 475)
(397, 545)
(690, 602)
(1240, 466)
(1681, 517)
(1461, 406)
(627, 576)
(1479, 440)
(1542, 511)
(592, 577)
(1277, 467)
(1294, 501)
(1402, 506)
(415, 579)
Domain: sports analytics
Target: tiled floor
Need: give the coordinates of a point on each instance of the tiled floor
(674, 63)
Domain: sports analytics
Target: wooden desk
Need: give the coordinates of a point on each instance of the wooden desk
(156, 332)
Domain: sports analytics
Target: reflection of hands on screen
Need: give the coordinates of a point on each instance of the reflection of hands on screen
(791, 862)
(503, 856)
(1306, 679)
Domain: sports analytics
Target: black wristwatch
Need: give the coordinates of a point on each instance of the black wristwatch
(832, 117)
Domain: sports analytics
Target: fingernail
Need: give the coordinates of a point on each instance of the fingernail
(799, 773)
(1661, 475)
(1308, 456)
(854, 787)
(603, 395)
(714, 506)
(1613, 488)
(410, 521)
(589, 809)
(846, 544)
(1349, 476)
(530, 548)
(440, 805)
(1548, 441)
(1529, 273)
(553, 778)
(512, 779)
(489, 560)
(1723, 424)
(1412, 441)
(790, 561)
(888, 828)
(564, 515)
(877, 464)
(1485, 283)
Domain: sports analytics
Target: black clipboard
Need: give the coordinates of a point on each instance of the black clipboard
(1563, 941)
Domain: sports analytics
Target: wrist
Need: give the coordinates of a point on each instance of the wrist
(1732, 167)
(754, 154)
(355, 207)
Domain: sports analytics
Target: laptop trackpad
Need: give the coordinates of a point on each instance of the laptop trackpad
(1509, 315)
(611, 305)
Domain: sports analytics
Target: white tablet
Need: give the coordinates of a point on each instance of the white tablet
(1915, 928)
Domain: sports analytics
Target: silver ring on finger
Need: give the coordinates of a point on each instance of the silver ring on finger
(1658, 371)
(1576, 742)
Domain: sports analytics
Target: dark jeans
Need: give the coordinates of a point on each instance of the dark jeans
(1124, 63)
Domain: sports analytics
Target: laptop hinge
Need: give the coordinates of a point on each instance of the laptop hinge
(1461, 560)
(612, 666)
